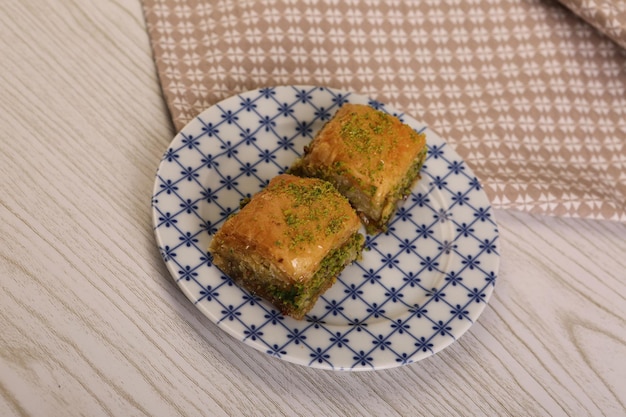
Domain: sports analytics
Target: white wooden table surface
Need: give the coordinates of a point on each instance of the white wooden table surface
(92, 324)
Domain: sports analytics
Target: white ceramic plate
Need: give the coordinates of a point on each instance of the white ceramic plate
(418, 288)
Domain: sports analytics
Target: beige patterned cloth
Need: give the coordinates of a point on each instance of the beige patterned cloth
(608, 16)
(530, 95)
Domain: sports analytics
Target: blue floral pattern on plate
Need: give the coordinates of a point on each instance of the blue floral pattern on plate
(419, 286)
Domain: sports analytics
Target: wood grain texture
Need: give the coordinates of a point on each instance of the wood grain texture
(92, 324)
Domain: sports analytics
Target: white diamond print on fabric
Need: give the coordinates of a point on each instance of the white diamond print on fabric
(419, 286)
(528, 94)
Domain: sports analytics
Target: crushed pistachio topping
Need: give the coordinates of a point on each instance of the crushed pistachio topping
(315, 209)
(362, 134)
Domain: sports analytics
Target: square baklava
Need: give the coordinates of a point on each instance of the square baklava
(289, 242)
(371, 157)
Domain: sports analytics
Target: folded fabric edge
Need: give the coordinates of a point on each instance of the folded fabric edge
(607, 18)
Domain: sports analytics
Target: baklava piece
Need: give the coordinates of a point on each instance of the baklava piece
(289, 242)
(370, 156)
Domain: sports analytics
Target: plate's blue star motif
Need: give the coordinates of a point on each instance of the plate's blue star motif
(189, 206)
(404, 359)
(229, 149)
(456, 167)
(429, 264)
(304, 96)
(276, 351)
(436, 294)
(267, 123)
(169, 187)
(470, 261)
(424, 345)
(322, 114)
(229, 182)
(488, 246)
(296, 336)
(353, 291)
(190, 141)
(358, 325)
(417, 288)
(285, 143)
(439, 182)
(474, 184)
(442, 328)
(375, 310)
(252, 332)
(248, 169)
(230, 313)
(460, 313)
(334, 307)
(362, 358)
(247, 137)
(476, 295)
(209, 129)
(372, 276)
(267, 93)
(316, 321)
(399, 326)
(210, 161)
(394, 295)
(340, 99)
(453, 278)
(187, 239)
(189, 174)
(381, 342)
(230, 116)
(170, 155)
(482, 214)
(267, 156)
(446, 247)
(389, 260)
(206, 226)
(251, 299)
(442, 215)
(407, 246)
(418, 311)
(167, 220)
(248, 104)
(412, 279)
(460, 198)
(339, 340)
(167, 253)
(208, 294)
(423, 231)
(420, 199)
(209, 195)
(285, 110)
(319, 355)
(375, 104)
(187, 273)
(273, 317)
(303, 128)
(227, 211)
(403, 214)
(465, 229)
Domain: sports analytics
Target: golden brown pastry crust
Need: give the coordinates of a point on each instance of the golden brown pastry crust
(372, 157)
(277, 242)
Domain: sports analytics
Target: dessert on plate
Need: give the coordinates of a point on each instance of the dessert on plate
(370, 156)
(289, 242)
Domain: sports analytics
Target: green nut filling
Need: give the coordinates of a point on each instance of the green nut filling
(298, 295)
